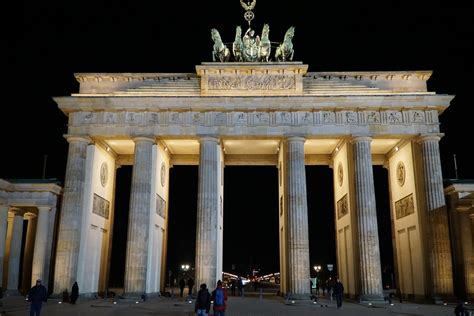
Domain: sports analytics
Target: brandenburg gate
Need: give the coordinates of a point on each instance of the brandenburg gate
(256, 113)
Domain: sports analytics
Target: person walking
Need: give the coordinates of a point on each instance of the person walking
(460, 310)
(36, 296)
(190, 286)
(203, 301)
(74, 293)
(182, 284)
(232, 287)
(338, 291)
(219, 297)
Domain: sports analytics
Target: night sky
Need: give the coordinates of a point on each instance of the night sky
(49, 41)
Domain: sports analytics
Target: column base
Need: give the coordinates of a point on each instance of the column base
(298, 297)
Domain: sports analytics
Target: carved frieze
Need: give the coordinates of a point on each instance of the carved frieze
(342, 207)
(160, 206)
(404, 206)
(101, 206)
(257, 118)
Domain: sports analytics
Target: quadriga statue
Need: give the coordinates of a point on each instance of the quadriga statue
(220, 51)
(284, 51)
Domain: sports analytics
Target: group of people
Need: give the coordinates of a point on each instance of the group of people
(38, 295)
(239, 284)
(204, 299)
(334, 289)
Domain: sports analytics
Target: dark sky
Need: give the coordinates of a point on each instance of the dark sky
(48, 41)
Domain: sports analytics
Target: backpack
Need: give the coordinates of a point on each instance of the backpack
(219, 297)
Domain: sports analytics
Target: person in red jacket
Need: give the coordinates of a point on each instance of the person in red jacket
(219, 297)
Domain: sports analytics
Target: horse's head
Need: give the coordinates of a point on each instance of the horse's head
(238, 32)
(266, 30)
(215, 35)
(290, 33)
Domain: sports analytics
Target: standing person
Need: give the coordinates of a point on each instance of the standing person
(338, 291)
(232, 287)
(317, 287)
(203, 301)
(240, 286)
(37, 295)
(74, 293)
(182, 284)
(190, 286)
(219, 296)
(460, 310)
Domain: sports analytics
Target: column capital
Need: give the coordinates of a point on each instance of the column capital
(295, 138)
(44, 208)
(17, 211)
(429, 137)
(29, 215)
(78, 138)
(209, 138)
(139, 139)
(361, 138)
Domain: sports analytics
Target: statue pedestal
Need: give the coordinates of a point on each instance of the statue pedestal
(251, 79)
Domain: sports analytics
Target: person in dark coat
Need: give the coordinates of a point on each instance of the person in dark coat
(182, 284)
(203, 301)
(36, 296)
(460, 310)
(338, 292)
(190, 286)
(74, 293)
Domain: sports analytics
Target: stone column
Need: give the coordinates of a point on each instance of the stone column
(3, 235)
(139, 218)
(440, 260)
(470, 263)
(69, 235)
(28, 252)
(466, 222)
(207, 212)
(366, 213)
(15, 253)
(298, 243)
(49, 246)
(39, 256)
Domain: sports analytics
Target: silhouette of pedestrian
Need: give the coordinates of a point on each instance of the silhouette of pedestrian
(240, 286)
(338, 292)
(203, 301)
(74, 293)
(182, 284)
(460, 310)
(232, 287)
(37, 295)
(190, 286)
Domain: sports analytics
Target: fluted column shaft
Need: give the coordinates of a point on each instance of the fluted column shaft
(3, 235)
(467, 250)
(207, 212)
(15, 253)
(139, 218)
(440, 248)
(69, 235)
(370, 269)
(28, 252)
(469, 266)
(298, 242)
(41, 239)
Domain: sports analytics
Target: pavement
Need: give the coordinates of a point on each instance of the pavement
(249, 306)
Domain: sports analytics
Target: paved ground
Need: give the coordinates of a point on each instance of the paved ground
(249, 306)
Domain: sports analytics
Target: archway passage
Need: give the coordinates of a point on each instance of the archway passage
(120, 231)
(321, 217)
(251, 220)
(182, 222)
